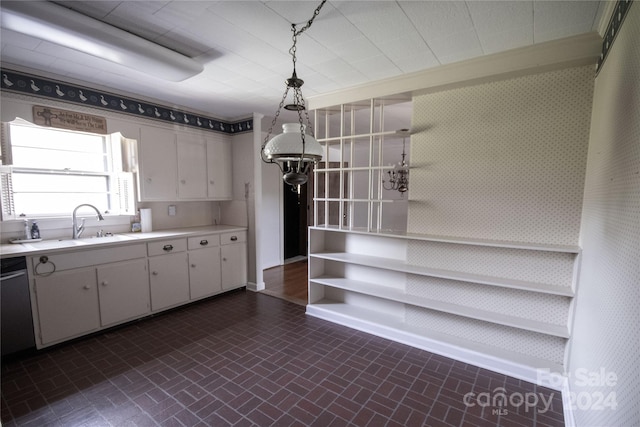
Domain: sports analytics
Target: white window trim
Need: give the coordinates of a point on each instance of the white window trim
(120, 183)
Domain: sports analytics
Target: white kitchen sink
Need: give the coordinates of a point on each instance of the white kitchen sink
(55, 244)
(69, 243)
(106, 239)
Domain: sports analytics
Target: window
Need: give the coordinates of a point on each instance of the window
(52, 171)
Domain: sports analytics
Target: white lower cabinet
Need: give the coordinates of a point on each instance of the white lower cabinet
(169, 278)
(87, 290)
(234, 260)
(204, 266)
(79, 292)
(67, 305)
(123, 290)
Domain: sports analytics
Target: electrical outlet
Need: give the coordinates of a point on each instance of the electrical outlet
(172, 210)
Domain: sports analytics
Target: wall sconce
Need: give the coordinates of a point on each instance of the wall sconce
(399, 176)
(293, 151)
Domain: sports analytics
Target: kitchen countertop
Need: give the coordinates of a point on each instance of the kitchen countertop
(66, 245)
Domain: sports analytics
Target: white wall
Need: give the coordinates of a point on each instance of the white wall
(241, 210)
(271, 214)
(607, 320)
(503, 160)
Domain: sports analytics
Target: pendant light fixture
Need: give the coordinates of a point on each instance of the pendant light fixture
(399, 176)
(296, 149)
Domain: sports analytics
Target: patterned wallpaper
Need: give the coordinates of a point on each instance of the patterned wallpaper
(503, 160)
(52, 89)
(607, 319)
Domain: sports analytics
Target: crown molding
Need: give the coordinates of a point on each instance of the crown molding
(615, 22)
(569, 52)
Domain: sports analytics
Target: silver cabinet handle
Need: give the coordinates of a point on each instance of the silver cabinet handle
(234, 238)
(204, 242)
(167, 248)
(105, 283)
(86, 287)
(193, 265)
(155, 273)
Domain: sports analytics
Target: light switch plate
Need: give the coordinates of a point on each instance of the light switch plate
(172, 210)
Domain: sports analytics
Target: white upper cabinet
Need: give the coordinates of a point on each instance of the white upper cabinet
(219, 169)
(157, 165)
(175, 165)
(192, 167)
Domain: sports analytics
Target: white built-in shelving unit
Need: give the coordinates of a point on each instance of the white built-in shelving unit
(503, 305)
(372, 282)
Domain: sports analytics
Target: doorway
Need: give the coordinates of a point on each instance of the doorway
(296, 219)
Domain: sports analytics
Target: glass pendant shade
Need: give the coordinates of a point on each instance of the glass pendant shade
(288, 145)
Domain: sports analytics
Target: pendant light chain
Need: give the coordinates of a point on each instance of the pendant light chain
(298, 165)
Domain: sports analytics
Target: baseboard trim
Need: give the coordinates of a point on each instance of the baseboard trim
(472, 357)
(255, 287)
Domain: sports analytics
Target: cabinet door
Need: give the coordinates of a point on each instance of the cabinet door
(234, 265)
(158, 170)
(67, 304)
(192, 167)
(123, 291)
(204, 272)
(219, 169)
(169, 280)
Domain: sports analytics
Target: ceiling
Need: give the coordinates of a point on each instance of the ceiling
(244, 45)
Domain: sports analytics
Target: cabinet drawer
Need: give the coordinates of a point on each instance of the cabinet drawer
(166, 246)
(203, 241)
(86, 258)
(231, 238)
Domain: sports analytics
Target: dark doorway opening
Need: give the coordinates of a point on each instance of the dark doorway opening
(296, 211)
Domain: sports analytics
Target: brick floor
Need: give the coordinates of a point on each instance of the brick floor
(247, 359)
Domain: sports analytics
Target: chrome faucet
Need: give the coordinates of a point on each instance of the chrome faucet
(77, 230)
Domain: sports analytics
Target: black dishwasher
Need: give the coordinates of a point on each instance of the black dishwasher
(16, 321)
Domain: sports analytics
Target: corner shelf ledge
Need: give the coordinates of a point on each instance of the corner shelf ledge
(393, 328)
(401, 266)
(548, 247)
(398, 295)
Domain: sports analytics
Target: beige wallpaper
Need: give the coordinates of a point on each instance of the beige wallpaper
(503, 160)
(607, 321)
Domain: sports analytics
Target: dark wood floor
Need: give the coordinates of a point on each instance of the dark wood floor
(288, 282)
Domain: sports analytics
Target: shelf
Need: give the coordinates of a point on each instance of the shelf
(398, 295)
(401, 266)
(458, 240)
(394, 328)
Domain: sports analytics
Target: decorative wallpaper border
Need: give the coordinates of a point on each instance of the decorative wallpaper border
(617, 18)
(37, 86)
